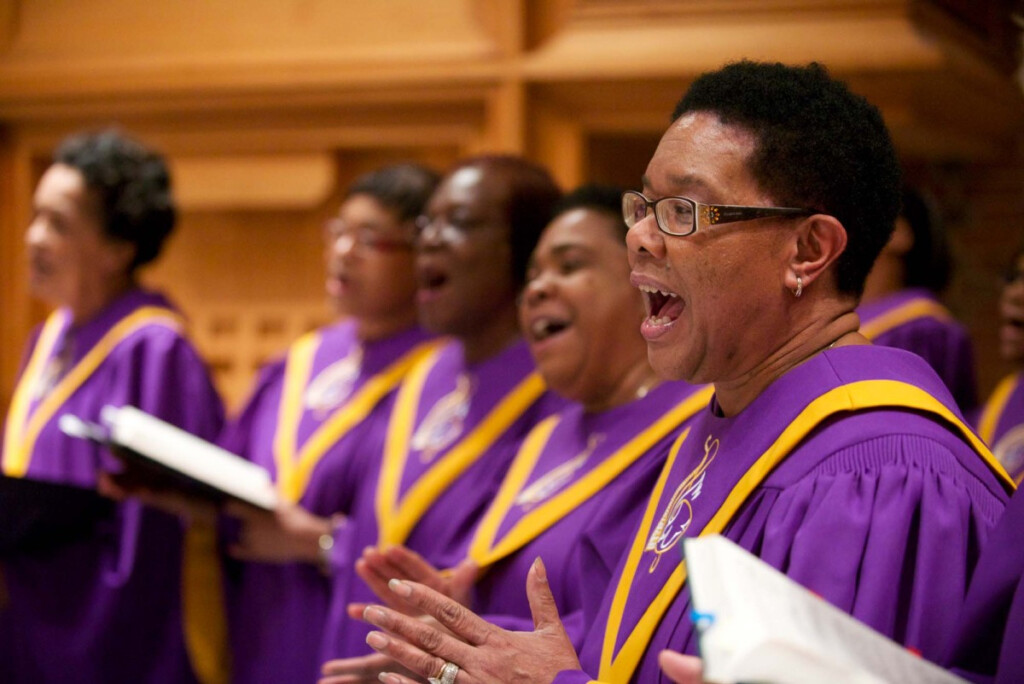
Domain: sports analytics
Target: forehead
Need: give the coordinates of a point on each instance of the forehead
(580, 227)
(703, 157)
(469, 185)
(365, 209)
(62, 183)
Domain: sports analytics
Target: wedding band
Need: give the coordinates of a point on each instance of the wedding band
(447, 675)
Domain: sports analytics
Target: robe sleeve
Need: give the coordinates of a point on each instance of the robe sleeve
(887, 529)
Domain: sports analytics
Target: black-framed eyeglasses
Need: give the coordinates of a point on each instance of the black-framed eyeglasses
(681, 216)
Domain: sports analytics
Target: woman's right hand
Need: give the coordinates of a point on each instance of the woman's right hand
(377, 567)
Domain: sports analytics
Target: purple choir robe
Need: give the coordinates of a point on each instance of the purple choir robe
(1001, 424)
(988, 643)
(277, 611)
(631, 442)
(446, 413)
(108, 608)
(872, 494)
(915, 320)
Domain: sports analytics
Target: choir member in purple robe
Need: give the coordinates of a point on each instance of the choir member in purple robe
(576, 471)
(310, 412)
(845, 465)
(111, 606)
(458, 417)
(1001, 423)
(900, 306)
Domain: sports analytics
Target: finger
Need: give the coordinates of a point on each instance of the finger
(355, 610)
(412, 658)
(364, 666)
(377, 583)
(542, 603)
(429, 645)
(456, 617)
(681, 669)
(411, 565)
(463, 579)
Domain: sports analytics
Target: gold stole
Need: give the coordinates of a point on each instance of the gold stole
(908, 311)
(485, 551)
(23, 429)
(397, 518)
(995, 406)
(294, 465)
(855, 396)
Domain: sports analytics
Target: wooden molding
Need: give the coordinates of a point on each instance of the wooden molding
(253, 181)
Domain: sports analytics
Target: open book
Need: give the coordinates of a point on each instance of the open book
(159, 455)
(757, 625)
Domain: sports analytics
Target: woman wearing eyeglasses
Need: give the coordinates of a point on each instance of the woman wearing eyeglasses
(308, 416)
(460, 414)
(1001, 423)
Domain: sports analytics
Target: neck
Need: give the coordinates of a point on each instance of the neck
(92, 300)
(634, 384)
(823, 330)
(382, 327)
(886, 277)
(491, 338)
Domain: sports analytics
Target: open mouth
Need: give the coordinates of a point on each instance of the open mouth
(431, 279)
(662, 307)
(545, 327)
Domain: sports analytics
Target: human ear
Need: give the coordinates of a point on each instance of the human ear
(817, 243)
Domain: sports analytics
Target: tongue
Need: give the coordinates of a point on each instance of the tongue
(671, 308)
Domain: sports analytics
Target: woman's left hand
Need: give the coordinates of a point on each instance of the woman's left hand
(285, 535)
(482, 651)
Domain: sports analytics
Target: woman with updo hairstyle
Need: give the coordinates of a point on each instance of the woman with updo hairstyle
(109, 605)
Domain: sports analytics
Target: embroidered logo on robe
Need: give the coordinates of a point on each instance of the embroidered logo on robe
(557, 477)
(1009, 451)
(678, 515)
(333, 384)
(444, 422)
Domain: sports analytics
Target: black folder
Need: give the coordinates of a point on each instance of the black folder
(38, 515)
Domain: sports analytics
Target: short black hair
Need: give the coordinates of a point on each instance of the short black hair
(818, 146)
(531, 194)
(402, 188)
(605, 199)
(927, 263)
(131, 184)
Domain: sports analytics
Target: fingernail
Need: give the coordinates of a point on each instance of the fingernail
(399, 587)
(538, 566)
(388, 678)
(376, 640)
(373, 614)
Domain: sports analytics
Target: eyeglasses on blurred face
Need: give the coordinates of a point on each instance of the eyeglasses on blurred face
(448, 229)
(366, 238)
(681, 216)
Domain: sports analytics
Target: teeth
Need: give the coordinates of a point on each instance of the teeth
(652, 290)
(539, 327)
(661, 320)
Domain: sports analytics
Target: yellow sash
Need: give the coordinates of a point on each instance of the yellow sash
(23, 429)
(861, 395)
(483, 549)
(295, 466)
(995, 406)
(915, 308)
(396, 519)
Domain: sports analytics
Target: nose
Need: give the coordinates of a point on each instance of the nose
(342, 244)
(432, 235)
(538, 289)
(35, 234)
(644, 238)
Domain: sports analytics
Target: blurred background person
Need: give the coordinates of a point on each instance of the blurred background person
(461, 413)
(310, 412)
(578, 485)
(900, 307)
(1001, 423)
(107, 607)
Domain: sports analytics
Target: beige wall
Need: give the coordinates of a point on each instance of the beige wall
(268, 108)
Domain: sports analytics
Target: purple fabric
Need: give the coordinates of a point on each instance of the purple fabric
(611, 514)
(446, 525)
(944, 344)
(1007, 442)
(988, 643)
(278, 611)
(882, 512)
(108, 608)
